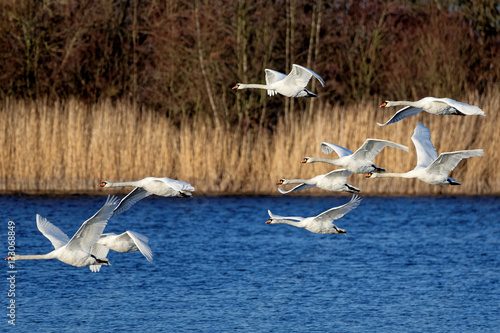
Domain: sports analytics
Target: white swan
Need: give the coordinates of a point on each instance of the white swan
(164, 187)
(439, 106)
(334, 181)
(74, 251)
(129, 241)
(291, 85)
(359, 162)
(431, 168)
(321, 224)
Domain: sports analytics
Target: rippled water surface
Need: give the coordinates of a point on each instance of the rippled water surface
(424, 264)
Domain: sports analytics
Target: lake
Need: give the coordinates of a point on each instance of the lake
(406, 264)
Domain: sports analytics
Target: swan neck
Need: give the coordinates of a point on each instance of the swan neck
(253, 85)
(293, 223)
(390, 175)
(297, 181)
(32, 256)
(122, 184)
(402, 103)
(322, 159)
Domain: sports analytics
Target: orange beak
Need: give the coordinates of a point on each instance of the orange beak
(102, 184)
(304, 160)
(267, 222)
(368, 175)
(235, 87)
(383, 104)
(279, 182)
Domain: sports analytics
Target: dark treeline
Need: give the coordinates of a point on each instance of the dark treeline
(182, 57)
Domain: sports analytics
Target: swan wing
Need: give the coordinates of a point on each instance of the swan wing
(337, 212)
(130, 199)
(372, 147)
(339, 173)
(53, 233)
(178, 185)
(446, 162)
(402, 114)
(327, 148)
(141, 242)
(299, 187)
(90, 231)
(426, 153)
(278, 217)
(464, 107)
(271, 77)
(98, 251)
(299, 76)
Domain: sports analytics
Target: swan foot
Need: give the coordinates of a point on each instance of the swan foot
(377, 169)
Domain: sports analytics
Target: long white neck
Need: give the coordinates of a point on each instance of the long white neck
(33, 256)
(321, 159)
(392, 175)
(298, 224)
(121, 184)
(401, 103)
(297, 181)
(253, 85)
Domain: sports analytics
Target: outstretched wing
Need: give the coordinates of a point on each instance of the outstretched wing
(177, 185)
(402, 114)
(327, 148)
(300, 76)
(339, 173)
(141, 242)
(299, 187)
(372, 147)
(446, 162)
(130, 199)
(464, 107)
(337, 212)
(426, 153)
(53, 233)
(91, 230)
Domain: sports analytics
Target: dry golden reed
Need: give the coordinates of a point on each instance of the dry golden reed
(70, 147)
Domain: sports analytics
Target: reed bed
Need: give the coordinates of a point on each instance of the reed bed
(69, 147)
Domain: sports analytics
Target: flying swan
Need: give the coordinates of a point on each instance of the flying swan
(359, 162)
(439, 106)
(74, 251)
(334, 181)
(164, 187)
(129, 241)
(321, 224)
(291, 85)
(431, 168)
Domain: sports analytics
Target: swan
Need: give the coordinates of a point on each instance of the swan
(358, 162)
(164, 187)
(291, 85)
(439, 106)
(334, 181)
(321, 224)
(129, 241)
(74, 251)
(431, 168)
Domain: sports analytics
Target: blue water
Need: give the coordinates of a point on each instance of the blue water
(424, 264)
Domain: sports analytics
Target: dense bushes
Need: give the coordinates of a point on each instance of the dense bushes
(182, 57)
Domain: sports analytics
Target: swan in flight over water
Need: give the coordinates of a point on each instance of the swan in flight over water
(334, 181)
(291, 85)
(129, 241)
(321, 224)
(359, 162)
(439, 106)
(74, 251)
(431, 168)
(164, 187)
